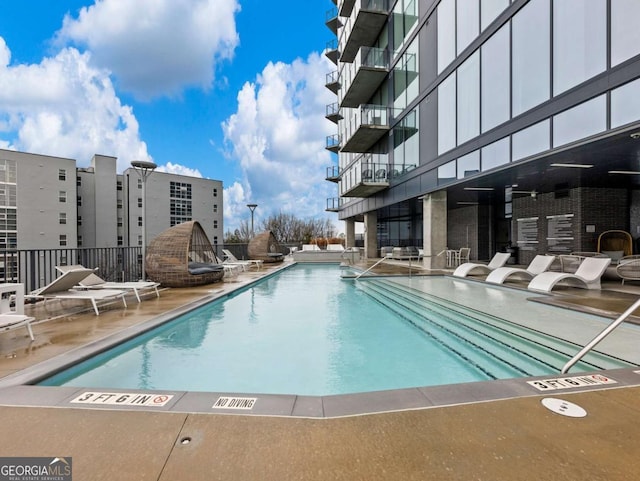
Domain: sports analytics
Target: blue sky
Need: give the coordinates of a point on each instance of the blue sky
(224, 89)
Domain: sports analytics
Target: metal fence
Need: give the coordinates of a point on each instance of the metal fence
(37, 268)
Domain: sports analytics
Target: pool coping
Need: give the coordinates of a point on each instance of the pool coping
(316, 407)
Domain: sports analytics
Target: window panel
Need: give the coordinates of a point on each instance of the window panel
(581, 121)
(469, 99)
(489, 11)
(579, 42)
(469, 164)
(447, 173)
(467, 23)
(625, 104)
(531, 141)
(447, 114)
(495, 81)
(625, 34)
(446, 33)
(530, 56)
(495, 154)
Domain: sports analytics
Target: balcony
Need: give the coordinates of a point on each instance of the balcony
(331, 51)
(333, 204)
(333, 143)
(333, 174)
(368, 125)
(332, 21)
(361, 79)
(333, 113)
(362, 27)
(367, 176)
(332, 81)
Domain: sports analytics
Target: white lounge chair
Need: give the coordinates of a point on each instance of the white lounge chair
(63, 288)
(499, 260)
(12, 309)
(335, 247)
(538, 265)
(587, 276)
(93, 281)
(310, 247)
(231, 259)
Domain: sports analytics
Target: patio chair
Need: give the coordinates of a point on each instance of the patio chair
(64, 287)
(628, 268)
(93, 281)
(231, 259)
(538, 265)
(468, 268)
(587, 276)
(12, 309)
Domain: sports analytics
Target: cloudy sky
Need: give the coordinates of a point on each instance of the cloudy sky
(224, 89)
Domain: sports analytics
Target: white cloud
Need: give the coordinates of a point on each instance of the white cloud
(179, 170)
(64, 107)
(157, 47)
(278, 137)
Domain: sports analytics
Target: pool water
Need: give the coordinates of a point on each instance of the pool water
(306, 331)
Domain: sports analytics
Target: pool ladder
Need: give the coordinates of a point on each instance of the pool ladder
(600, 337)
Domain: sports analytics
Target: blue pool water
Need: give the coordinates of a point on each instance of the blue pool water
(305, 331)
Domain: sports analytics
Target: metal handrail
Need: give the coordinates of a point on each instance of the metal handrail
(600, 337)
(388, 256)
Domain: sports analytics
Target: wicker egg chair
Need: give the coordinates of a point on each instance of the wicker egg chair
(182, 256)
(265, 247)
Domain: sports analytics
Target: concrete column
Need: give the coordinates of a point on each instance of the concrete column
(434, 221)
(371, 235)
(350, 232)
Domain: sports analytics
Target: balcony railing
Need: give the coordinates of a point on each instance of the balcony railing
(332, 21)
(360, 80)
(333, 112)
(368, 124)
(363, 27)
(333, 204)
(333, 173)
(332, 81)
(331, 50)
(333, 143)
(366, 176)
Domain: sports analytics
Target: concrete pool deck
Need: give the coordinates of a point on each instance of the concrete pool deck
(505, 439)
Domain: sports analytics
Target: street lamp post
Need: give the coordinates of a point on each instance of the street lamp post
(252, 207)
(143, 168)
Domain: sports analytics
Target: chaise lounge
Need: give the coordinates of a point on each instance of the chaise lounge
(468, 268)
(587, 276)
(13, 317)
(64, 287)
(538, 265)
(93, 281)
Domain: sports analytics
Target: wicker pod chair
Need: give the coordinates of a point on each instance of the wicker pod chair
(265, 247)
(182, 256)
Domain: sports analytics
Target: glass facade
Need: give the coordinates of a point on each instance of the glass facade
(495, 79)
(586, 119)
(531, 55)
(625, 34)
(625, 104)
(579, 42)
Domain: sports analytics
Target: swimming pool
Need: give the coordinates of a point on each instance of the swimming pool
(305, 331)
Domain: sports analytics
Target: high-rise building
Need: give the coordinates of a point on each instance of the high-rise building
(47, 202)
(485, 124)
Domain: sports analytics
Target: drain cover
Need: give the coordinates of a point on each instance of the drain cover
(560, 406)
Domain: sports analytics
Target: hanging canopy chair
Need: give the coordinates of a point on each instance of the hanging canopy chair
(182, 256)
(615, 244)
(265, 247)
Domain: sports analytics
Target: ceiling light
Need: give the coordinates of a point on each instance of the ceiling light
(478, 188)
(635, 135)
(626, 172)
(574, 166)
(467, 203)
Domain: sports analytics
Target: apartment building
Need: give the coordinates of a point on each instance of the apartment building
(47, 202)
(485, 123)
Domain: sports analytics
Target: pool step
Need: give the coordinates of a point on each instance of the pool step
(498, 339)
